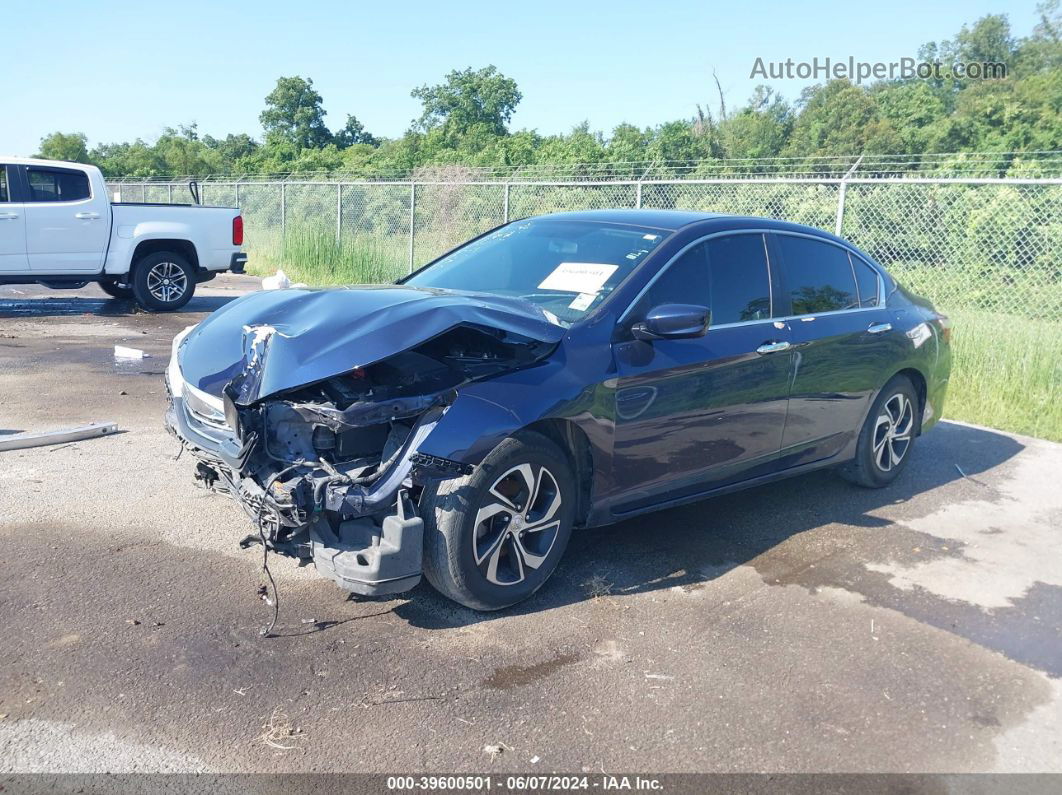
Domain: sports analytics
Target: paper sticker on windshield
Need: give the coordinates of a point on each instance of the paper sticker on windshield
(578, 277)
(582, 301)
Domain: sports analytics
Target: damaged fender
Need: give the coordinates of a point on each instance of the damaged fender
(313, 410)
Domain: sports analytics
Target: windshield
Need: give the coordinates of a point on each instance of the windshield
(566, 267)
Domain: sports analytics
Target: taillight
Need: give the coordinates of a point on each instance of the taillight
(237, 230)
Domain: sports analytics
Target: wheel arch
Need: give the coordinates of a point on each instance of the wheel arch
(574, 443)
(918, 379)
(154, 245)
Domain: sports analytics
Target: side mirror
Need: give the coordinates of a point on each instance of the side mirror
(673, 321)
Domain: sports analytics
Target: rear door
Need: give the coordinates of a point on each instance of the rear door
(67, 228)
(843, 343)
(695, 413)
(12, 224)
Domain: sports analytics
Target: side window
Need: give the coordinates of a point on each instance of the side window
(866, 280)
(57, 185)
(740, 282)
(818, 275)
(5, 194)
(684, 282)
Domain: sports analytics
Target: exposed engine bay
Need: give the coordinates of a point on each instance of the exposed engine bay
(329, 472)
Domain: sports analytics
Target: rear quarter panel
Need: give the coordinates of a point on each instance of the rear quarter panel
(208, 229)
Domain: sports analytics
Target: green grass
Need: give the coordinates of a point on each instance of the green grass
(1006, 373)
(315, 257)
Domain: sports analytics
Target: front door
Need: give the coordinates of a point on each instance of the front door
(695, 413)
(67, 229)
(12, 225)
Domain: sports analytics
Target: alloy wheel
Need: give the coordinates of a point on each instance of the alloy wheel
(516, 529)
(167, 281)
(893, 431)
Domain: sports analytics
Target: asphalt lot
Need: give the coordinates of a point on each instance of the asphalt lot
(804, 626)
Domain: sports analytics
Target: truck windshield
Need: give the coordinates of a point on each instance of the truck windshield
(567, 267)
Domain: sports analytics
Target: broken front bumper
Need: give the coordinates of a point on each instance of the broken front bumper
(367, 538)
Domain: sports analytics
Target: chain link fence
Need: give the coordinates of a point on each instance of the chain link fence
(992, 244)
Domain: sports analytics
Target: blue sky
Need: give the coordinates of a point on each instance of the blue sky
(122, 70)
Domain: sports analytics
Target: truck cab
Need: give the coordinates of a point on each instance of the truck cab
(59, 228)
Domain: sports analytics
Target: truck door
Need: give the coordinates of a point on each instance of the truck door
(12, 224)
(67, 227)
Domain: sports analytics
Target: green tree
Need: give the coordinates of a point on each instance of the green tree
(294, 114)
(233, 148)
(835, 119)
(467, 99)
(65, 146)
(354, 132)
(760, 129)
(182, 152)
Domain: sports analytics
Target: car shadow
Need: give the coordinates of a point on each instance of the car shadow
(105, 307)
(691, 545)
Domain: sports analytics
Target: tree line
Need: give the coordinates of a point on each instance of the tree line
(466, 121)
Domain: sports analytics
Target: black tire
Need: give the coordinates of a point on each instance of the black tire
(150, 286)
(889, 432)
(116, 290)
(450, 509)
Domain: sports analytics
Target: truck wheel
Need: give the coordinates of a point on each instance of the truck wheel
(885, 442)
(492, 538)
(163, 281)
(116, 290)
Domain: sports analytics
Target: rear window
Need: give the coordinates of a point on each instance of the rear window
(866, 280)
(57, 185)
(818, 275)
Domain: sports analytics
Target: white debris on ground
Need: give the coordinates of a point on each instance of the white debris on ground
(278, 281)
(122, 352)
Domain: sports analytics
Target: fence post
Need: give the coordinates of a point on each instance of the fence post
(412, 220)
(638, 196)
(202, 194)
(238, 195)
(505, 205)
(840, 208)
(841, 194)
(169, 193)
(283, 215)
(339, 213)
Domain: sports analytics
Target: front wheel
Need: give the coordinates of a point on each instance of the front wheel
(163, 281)
(885, 442)
(493, 538)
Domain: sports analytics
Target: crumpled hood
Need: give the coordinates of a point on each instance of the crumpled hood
(277, 340)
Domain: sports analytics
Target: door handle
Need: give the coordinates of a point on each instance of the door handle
(87, 216)
(773, 347)
(8, 216)
(879, 328)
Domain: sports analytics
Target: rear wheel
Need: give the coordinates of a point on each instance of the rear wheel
(885, 442)
(163, 281)
(116, 290)
(494, 537)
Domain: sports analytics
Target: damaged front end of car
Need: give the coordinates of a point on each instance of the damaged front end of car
(330, 470)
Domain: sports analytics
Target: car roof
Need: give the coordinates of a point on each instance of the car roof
(658, 219)
(673, 220)
(11, 160)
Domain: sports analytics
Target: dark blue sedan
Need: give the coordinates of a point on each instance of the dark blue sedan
(563, 371)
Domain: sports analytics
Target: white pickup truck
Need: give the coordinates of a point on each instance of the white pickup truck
(59, 228)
